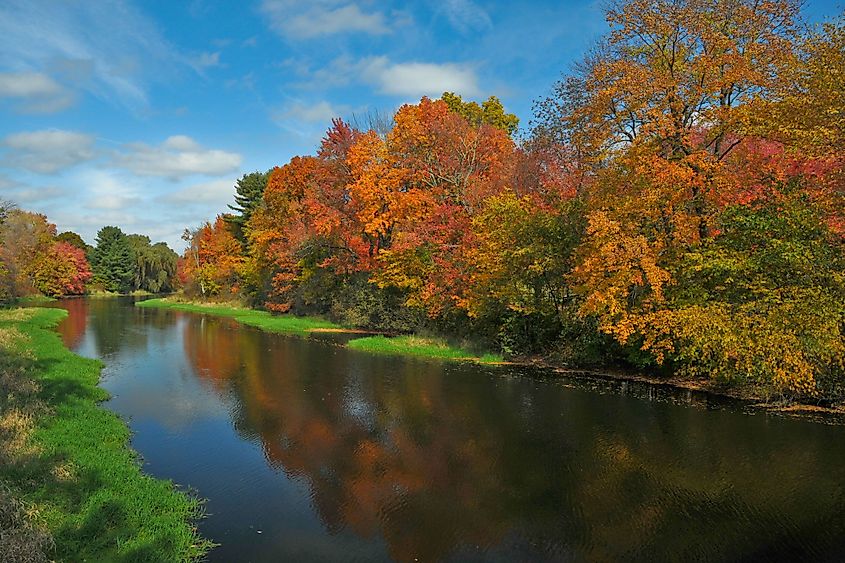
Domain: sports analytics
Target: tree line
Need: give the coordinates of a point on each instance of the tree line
(676, 204)
(36, 259)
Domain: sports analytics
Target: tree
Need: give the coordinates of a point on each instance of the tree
(491, 112)
(113, 260)
(74, 239)
(25, 236)
(60, 271)
(155, 265)
(249, 192)
(213, 259)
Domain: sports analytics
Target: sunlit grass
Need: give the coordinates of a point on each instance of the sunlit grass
(68, 460)
(419, 346)
(403, 345)
(251, 317)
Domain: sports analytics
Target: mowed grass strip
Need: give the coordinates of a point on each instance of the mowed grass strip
(259, 319)
(410, 345)
(76, 471)
(419, 346)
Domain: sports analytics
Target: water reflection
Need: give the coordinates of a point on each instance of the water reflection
(368, 457)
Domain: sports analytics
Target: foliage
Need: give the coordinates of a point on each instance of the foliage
(491, 112)
(249, 194)
(677, 205)
(113, 260)
(61, 270)
(213, 259)
(74, 239)
(155, 265)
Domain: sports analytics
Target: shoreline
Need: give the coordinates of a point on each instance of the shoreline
(680, 383)
(70, 459)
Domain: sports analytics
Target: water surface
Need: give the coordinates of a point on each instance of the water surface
(307, 451)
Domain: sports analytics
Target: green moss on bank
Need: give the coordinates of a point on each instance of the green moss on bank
(251, 317)
(419, 346)
(69, 460)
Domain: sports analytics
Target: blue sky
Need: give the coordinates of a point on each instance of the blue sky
(143, 114)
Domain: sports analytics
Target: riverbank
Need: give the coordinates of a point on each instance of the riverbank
(250, 317)
(438, 348)
(66, 465)
(289, 324)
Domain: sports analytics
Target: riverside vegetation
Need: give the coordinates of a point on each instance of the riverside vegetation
(676, 208)
(70, 487)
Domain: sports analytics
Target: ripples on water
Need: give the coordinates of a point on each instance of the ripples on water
(307, 451)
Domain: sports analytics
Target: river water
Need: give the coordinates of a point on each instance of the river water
(307, 451)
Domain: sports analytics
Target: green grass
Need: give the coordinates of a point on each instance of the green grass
(404, 345)
(34, 300)
(419, 346)
(251, 317)
(72, 462)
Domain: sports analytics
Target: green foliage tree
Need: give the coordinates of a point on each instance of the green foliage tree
(155, 265)
(73, 239)
(491, 112)
(113, 260)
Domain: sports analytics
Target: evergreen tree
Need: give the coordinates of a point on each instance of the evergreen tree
(249, 193)
(113, 260)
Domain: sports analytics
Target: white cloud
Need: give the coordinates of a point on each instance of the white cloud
(27, 84)
(122, 49)
(207, 60)
(465, 15)
(406, 79)
(47, 152)
(419, 79)
(219, 192)
(108, 191)
(178, 156)
(38, 92)
(320, 112)
(293, 18)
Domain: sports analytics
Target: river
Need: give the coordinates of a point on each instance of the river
(307, 451)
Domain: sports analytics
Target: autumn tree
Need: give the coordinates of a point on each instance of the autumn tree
(213, 259)
(660, 109)
(60, 270)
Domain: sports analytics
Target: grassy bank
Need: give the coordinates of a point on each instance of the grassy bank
(403, 345)
(419, 346)
(66, 465)
(251, 317)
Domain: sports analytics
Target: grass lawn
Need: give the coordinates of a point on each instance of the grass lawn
(419, 346)
(403, 345)
(251, 317)
(66, 462)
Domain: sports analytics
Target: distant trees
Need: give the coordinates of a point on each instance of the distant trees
(124, 263)
(155, 265)
(113, 260)
(32, 259)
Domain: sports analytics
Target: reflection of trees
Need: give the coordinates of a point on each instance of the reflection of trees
(439, 463)
(72, 328)
(113, 323)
